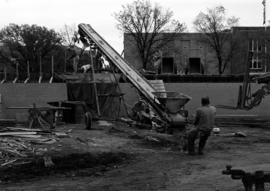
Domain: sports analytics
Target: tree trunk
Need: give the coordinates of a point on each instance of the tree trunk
(144, 64)
(220, 65)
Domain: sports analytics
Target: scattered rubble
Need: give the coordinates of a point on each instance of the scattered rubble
(236, 134)
(19, 145)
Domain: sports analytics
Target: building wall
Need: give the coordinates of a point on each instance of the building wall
(130, 52)
(23, 95)
(219, 94)
(185, 46)
(191, 45)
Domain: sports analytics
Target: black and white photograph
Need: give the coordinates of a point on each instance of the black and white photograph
(135, 95)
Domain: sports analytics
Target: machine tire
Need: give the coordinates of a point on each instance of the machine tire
(88, 120)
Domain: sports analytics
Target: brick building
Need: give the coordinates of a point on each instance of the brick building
(189, 54)
(255, 40)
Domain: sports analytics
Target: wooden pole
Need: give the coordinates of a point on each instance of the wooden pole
(17, 73)
(52, 65)
(17, 69)
(5, 75)
(28, 69)
(94, 83)
(40, 66)
(265, 49)
(28, 73)
(65, 63)
(246, 78)
(51, 80)
(40, 69)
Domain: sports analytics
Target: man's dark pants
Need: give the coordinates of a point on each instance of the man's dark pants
(193, 135)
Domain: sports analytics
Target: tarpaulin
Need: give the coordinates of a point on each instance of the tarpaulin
(108, 97)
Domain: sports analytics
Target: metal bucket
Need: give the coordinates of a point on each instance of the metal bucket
(173, 101)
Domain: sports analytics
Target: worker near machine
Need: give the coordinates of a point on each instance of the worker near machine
(141, 112)
(104, 62)
(85, 68)
(204, 122)
(259, 95)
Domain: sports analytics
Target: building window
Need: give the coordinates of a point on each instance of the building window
(255, 46)
(195, 66)
(168, 65)
(259, 46)
(256, 62)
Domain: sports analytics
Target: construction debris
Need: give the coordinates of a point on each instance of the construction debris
(14, 150)
(104, 123)
(17, 145)
(48, 161)
(236, 134)
(61, 134)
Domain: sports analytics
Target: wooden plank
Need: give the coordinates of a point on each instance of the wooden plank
(38, 107)
(7, 120)
(27, 136)
(159, 87)
(9, 162)
(17, 133)
(24, 129)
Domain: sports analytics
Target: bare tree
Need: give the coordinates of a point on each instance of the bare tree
(148, 24)
(216, 27)
(69, 35)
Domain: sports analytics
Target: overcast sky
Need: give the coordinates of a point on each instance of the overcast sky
(99, 13)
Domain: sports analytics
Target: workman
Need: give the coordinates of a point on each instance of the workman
(104, 62)
(85, 68)
(204, 123)
(258, 96)
(141, 112)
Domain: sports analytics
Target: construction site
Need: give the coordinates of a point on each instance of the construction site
(116, 130)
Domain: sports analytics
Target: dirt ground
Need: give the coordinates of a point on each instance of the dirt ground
(152, 161)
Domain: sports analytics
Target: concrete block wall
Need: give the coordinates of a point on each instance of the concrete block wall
(219, 93)
(21, 95)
